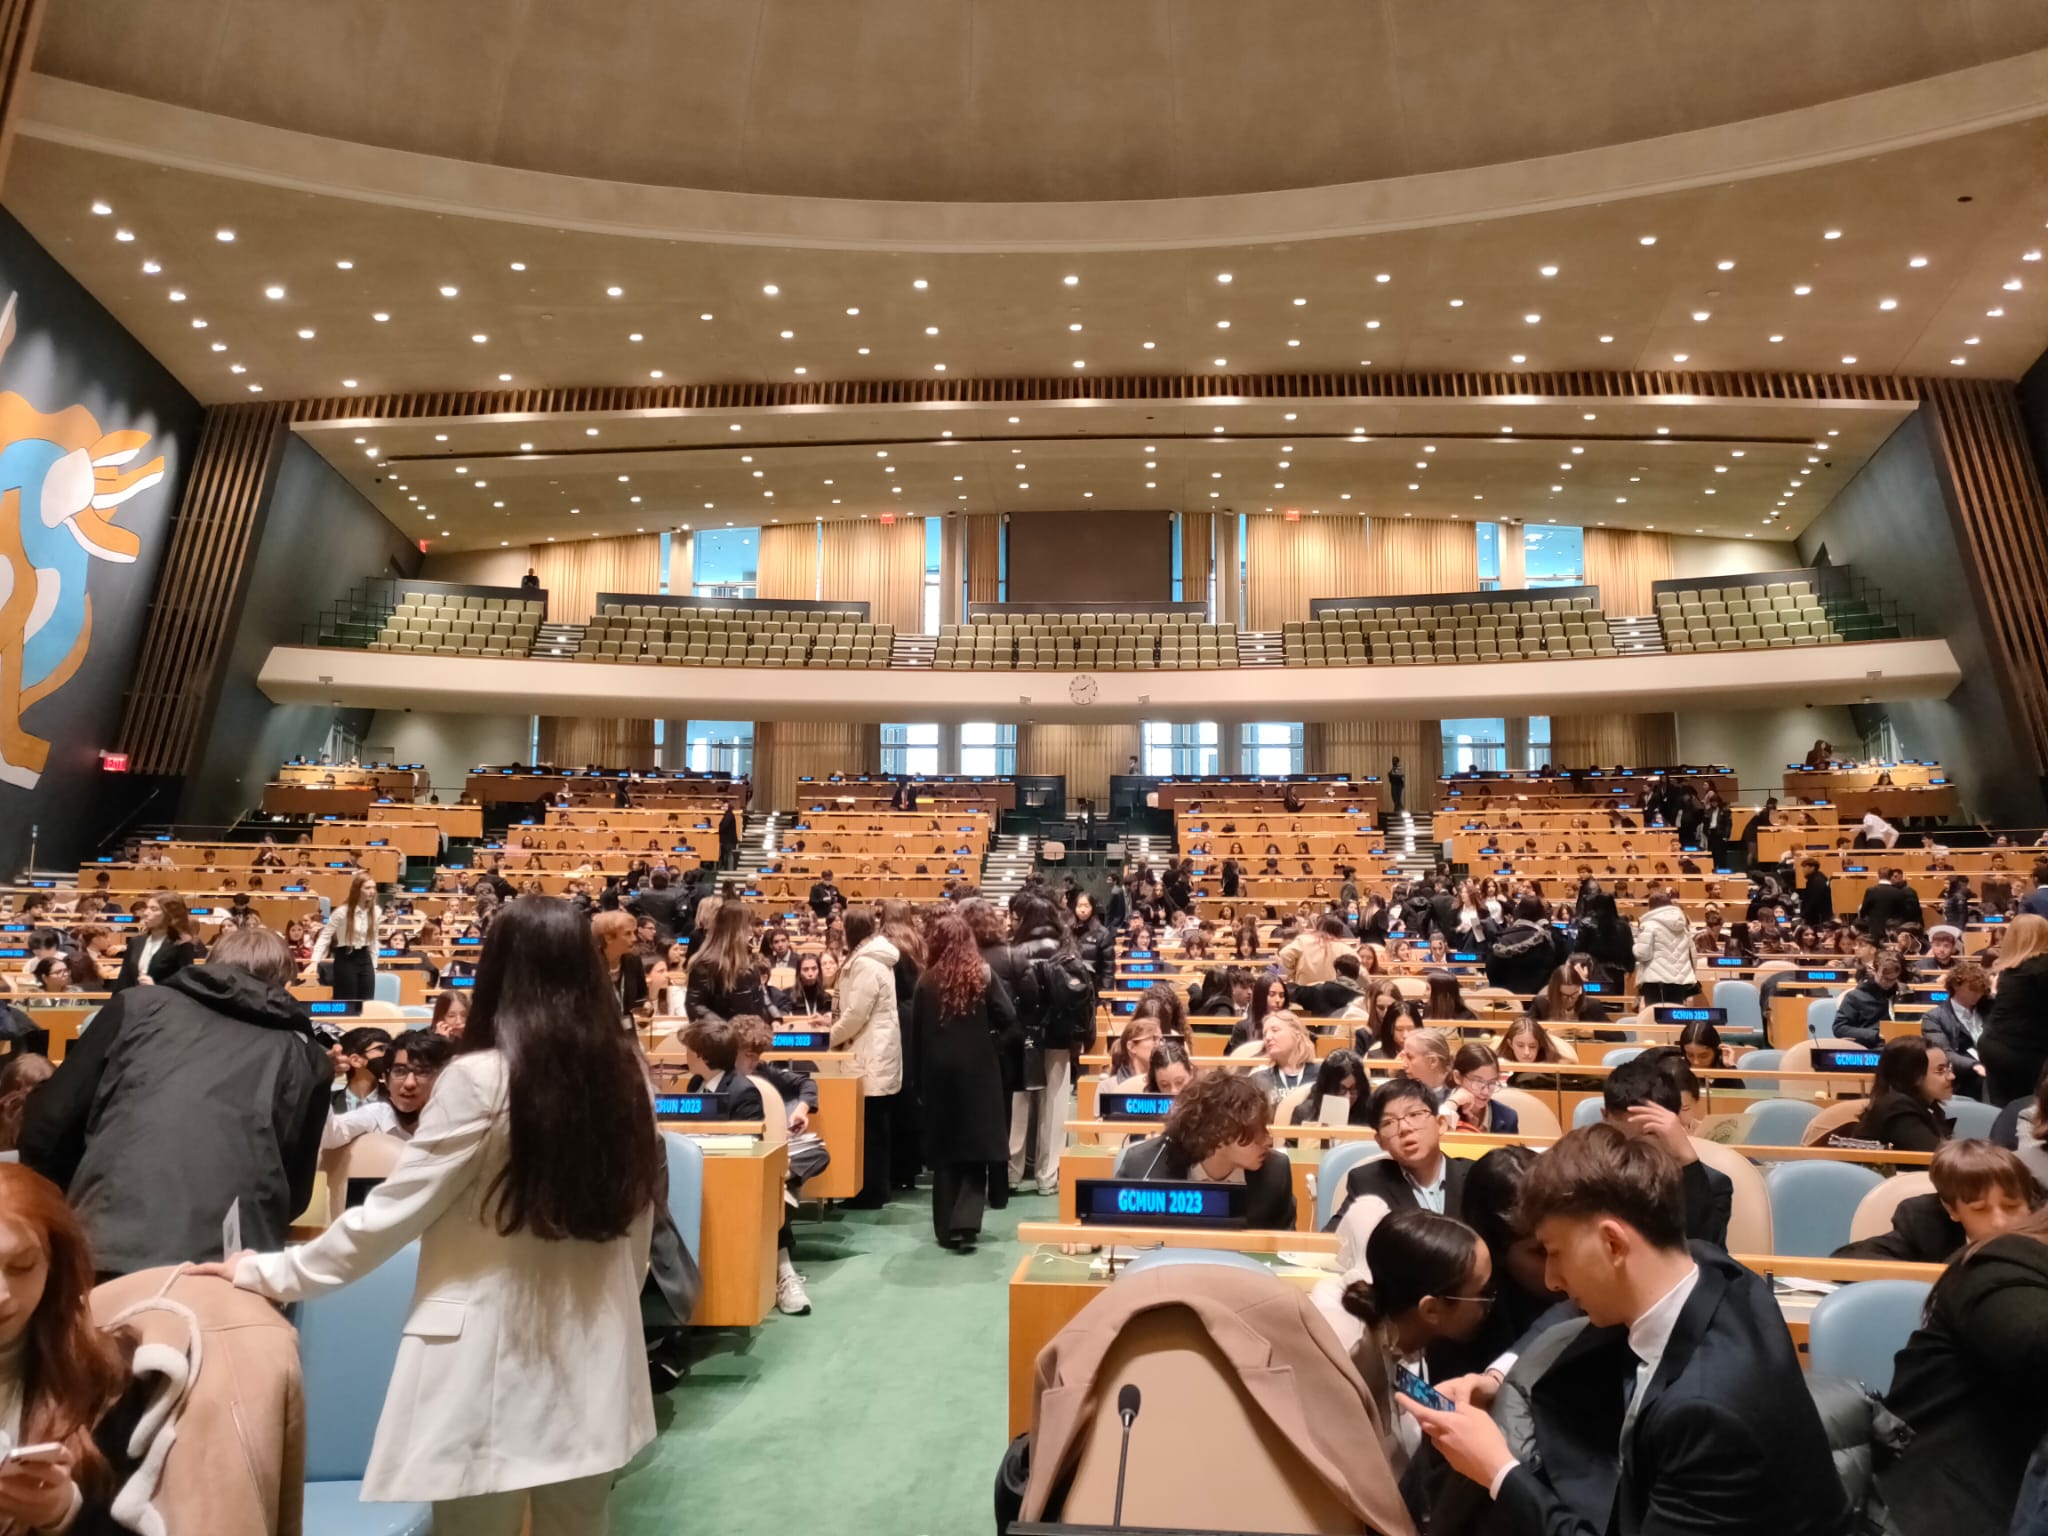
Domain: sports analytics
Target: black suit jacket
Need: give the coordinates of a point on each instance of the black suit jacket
(1709, 1202)
(1885, 903)
(738, 1098)
(1726, 1438)
(171, 956)
(1383, 1177)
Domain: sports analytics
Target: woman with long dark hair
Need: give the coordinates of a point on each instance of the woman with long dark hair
(900, 927)
(963, 1028)
(724, 980)
(530, 1184)
(166, 945)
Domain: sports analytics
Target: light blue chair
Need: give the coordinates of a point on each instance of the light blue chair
(1857, 1332)
(1334, 1169)
(1812, 1205)
(348, 1345)
(1973, 1120)
(387, 987)
(1745, 1007)
(1619, 1054)
(1588, 1112)
(1763, 1061)
(686, 1189)
(416, 1013)
(1778, 1122)
(1820, 1018)
(1157, 1258)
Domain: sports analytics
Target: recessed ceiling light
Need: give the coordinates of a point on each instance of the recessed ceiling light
(306, 334)
(770, 289)
(1995, 314)
(800, 370)
(1457, 303)
(1702, 315)
(1532, 319)
(1887, 303)
(788, 335)
(101, 209)
(2012, 285)
(705, 316)
(380, 317)
(1373, 325)
(1956, 362)
(1222, 362)
(1849, 362)
(1071, 280)
(1802, 290)
(124, 235)
(734, 427)
(176, 295)
(449, 290)
(273, 292)
(1299, 302)
(918, 282)
(504, 378)
(236, 368)
(863, 351)
(1414, 487)
(1775, 339)
(151, 267)
(255, 389)
(1605, 340)
(440, 437)
(1679, 357)
(479, 338)
(590, 431)
(614, 291)
(1971, 341)
(654, 373)
(1014, 420)
(1646, 240)
(1080, 363)
(1548, 271)
(1917, 261)
(198, 324)
(1222, 277)
(1519, 357)
(220, 346)
(1383, 277)
(1831, 234)
(225, 236)
(1555, 489)
(931, 330)
(1724, 266)
(1429, 448)
(1581, 450)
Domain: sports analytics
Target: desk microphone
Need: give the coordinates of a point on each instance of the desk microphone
(1127, 1401)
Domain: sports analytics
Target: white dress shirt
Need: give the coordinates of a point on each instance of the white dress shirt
(1650, 1335)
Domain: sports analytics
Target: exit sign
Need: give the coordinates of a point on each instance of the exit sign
(114, 762)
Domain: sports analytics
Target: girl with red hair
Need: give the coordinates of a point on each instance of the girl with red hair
(963, 1026)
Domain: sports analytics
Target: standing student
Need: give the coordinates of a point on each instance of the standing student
(963, 1028)
(2014, 1045)
(869, 1026)
(530, 1185)
(1664, 955)
(728, 836)
(349, 938)
(1680, 1407)
(166, 944)
(906, 1137)
(1397, 785)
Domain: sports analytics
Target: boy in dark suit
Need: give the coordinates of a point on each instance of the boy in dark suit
(711, 1046)
(1680, 1407)
(1645, 1098)
(1416, 1174)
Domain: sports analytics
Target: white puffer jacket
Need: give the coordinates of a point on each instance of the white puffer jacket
(1664, 948)
(867, 1016)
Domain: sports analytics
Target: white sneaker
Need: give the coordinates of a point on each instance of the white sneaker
(790, 1296)
(1049, 1187)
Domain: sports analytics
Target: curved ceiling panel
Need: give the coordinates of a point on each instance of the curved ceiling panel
(992, 101)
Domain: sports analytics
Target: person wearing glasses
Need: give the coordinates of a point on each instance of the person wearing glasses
(417, 1057)
(1470, 1105)
(1415, 1175)
(1219, 1133)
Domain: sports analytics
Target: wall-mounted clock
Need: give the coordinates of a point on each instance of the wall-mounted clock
(1084, 689)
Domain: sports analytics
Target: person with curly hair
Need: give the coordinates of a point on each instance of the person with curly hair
(963, 1025)
(1219, 1133)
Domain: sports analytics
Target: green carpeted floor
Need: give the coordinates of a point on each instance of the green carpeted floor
(880, 1414)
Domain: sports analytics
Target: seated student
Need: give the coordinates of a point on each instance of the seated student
(1389, 1020)
(1944, 948)
(1681, 1406)
(1229, 997)
(1268, 996)
(1339, 1082)
(1967, 1385)
(808, 1154)
(1130, 1053)
(1217, 1134)
(1527, 1041)
(711, 1047)
(1912, 1082)
(1644, 1098)
(809, 995)
(1524, 1304)
(1426, 1059)
(1416, 1173)
(1979, 1191)
(1470, 1106)
(1327, 999)
(1425, 1280)
(417, 1057)
(451, 1015)
(1703, 1049)
(1957, 1022)
(1290, 1056)
(1863, 1011)
(1565, 1000)
(1170, 1070)
(359, 1074)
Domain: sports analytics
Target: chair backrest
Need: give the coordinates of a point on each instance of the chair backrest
(387, 987)
(1249, 1049)
(1763, 1061)
(1620, 1054)
(1831, 1119)
(1820, 1018)
(1332, 1171)
(1973, 1118)
(1155, 1258)
(1750, 1221)
(1587, 1112)
(1858, 1331)
(1873, 1214)
(1536, 1115)
(381, 1009)
(1745, 1011)
(774, 1113)
(685, 1188)
(1777, 1122)
(348, 1345)
(1813, 1203)
(1247, 1477)
(1283, 1112)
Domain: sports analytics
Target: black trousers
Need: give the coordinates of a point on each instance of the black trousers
(355, 976)
(727, 855)
(878, 1113)
(958, 1193)
(906, 1137)
(1398, 788)
(1666, 992)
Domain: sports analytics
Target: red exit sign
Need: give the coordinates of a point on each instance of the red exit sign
(114, 762)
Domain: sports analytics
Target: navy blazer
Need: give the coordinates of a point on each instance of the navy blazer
(1726, 1438)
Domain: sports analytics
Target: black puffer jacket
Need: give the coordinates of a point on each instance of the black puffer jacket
(1012, 964)
(180, 1100)
(1523, 956)
(1097, 948)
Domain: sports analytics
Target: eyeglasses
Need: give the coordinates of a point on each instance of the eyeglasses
(423, 1073)
(1398, 1122)
(1481, 1301)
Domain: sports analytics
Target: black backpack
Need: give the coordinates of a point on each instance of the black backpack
(1066, 997)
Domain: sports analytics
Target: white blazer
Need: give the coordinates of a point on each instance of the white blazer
(522, 1362)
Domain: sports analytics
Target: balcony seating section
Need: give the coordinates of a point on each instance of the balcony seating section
(1435, 633)
(1746, 618)
(439, 624)
(654, 634)
(1086, 642)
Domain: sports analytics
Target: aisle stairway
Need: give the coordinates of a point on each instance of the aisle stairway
(1637, 636)
(1410, 847)
(758, 839)
(1004, 866)
(557, 642)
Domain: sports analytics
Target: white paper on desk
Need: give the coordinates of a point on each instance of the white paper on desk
(1335, 1110)
(725, 1143)
(1807, 1287)
(1323, 1261)
(231, 1230)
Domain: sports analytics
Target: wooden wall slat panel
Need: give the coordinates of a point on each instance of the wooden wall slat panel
(199, 590)
(21, 22)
